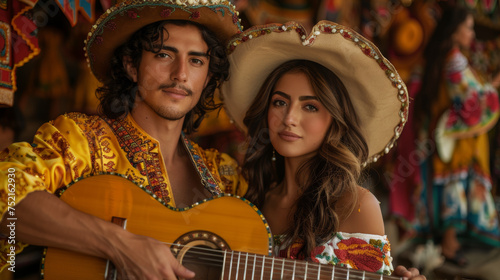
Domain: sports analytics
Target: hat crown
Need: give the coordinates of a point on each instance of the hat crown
(119, 22)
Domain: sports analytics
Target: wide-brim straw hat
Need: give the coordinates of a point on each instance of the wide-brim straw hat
(120, 22)
(377, 92)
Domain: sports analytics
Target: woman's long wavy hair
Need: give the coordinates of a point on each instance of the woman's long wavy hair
(117, 95)
(331, 174)
(435, 54)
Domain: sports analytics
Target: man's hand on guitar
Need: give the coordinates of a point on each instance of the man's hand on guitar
(45, 220)
(141, 257)
(411, 273)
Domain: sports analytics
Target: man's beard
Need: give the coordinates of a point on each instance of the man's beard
(167, 112)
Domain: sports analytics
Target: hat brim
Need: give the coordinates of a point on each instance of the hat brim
(118, 24)
(378, 94)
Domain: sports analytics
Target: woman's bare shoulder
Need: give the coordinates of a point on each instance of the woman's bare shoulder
(366, 217)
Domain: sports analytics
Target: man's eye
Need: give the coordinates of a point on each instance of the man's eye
(162, 55)
(198, 61)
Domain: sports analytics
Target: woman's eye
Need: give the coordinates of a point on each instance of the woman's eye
(311, 108)
(279, 103)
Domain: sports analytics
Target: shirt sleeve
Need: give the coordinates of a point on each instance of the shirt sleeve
(58, 155)
(366, 252)
(474, 103)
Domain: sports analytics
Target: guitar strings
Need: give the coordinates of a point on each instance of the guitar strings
(287, 266)
(215, 257)
(312, 273)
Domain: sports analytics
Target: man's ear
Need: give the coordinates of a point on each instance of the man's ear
(130, 69)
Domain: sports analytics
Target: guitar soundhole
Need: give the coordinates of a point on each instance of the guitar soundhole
(205, 267)
(201, 252)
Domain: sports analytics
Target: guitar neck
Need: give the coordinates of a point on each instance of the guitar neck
(239, 265)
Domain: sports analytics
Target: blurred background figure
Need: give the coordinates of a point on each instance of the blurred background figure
(454, 109)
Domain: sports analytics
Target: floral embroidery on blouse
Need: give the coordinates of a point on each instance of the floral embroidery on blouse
(353, 250)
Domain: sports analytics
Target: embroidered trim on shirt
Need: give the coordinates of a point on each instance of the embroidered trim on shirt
(138, 149)
(203, 168)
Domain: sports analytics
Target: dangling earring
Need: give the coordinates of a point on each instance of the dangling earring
(273, 158)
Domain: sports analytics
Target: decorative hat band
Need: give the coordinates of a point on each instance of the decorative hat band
(119, 22)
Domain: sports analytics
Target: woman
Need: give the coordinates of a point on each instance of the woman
(456, 108)
(318, 108)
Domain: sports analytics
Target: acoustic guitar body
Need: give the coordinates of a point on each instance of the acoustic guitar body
(218, 225)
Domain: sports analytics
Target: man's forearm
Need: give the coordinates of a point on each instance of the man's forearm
(45, 220)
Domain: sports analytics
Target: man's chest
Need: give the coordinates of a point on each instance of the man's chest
(186, 185)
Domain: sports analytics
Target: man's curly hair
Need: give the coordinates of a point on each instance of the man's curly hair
(118, 93)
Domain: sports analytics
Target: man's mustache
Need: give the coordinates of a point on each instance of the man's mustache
(175, 85)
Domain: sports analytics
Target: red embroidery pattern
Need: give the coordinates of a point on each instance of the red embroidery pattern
(359, 254)
(138, 149)
(165, 12)
(60, 142)
(92, 129)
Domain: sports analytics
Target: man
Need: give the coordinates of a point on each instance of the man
(160, 63)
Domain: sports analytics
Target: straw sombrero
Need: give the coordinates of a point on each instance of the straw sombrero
(119, 22)
(377, 92)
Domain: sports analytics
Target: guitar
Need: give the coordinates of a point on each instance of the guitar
(225, 237)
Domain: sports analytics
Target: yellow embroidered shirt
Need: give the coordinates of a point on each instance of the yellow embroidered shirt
(76, 145)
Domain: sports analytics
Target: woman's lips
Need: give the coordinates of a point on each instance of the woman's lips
(289, 136)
